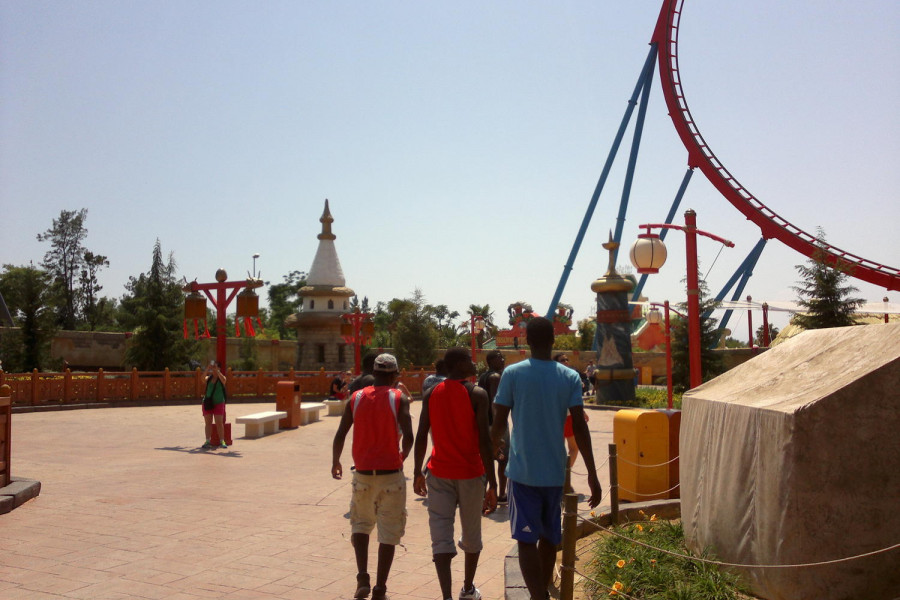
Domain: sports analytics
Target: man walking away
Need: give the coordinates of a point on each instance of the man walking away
(440, 374)
(365, 378)
(539, 392)
(381, 416)
(490, 381)
(456, 413)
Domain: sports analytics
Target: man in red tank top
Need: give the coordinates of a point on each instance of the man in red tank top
(381, 414)
(456, 413)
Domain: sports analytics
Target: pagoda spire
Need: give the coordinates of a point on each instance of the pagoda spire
(326, 220)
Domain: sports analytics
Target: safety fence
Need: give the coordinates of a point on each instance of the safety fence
(578, 525)
(111, 387)
(5, 434)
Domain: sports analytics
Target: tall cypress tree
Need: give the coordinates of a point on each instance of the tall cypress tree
(154, 309)
(64, 261)
(824, 294)
(710, 361)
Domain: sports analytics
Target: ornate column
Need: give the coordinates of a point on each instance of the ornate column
(614, 377)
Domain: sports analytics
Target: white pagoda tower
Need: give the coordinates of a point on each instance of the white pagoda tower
(325, 298)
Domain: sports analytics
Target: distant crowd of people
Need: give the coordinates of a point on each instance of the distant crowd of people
(476, 459)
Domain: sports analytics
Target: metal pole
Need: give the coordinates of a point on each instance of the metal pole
(693, 296)
(642, 81)
(636, 295)
(766, 340)
(472, 330)
(750, 320)
(357, 334)
(668, 359)
(221, 334)
(570, 536)
(613, 485)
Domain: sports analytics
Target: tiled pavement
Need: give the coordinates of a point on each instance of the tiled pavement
(130, 507)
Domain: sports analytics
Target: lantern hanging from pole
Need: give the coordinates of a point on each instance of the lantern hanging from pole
(195, 311)
(248, 310)
(368, 330)
(648, 253)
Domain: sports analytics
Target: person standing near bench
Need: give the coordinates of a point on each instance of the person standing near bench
(214, 405)
(455, 411)
(381, 415)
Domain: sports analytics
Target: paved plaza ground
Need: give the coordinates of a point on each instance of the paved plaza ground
(131, 507)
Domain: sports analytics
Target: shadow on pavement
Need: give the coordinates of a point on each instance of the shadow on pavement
(198, 450)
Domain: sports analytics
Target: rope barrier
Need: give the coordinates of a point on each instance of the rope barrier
(612, 590)
(648, 495)
(596, 468)
(625, 460)
(738, 565)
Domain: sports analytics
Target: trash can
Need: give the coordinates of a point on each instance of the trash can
(674, 417)
(642, 447)
(287, 399)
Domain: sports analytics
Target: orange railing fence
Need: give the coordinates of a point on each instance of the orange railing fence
(68, 388)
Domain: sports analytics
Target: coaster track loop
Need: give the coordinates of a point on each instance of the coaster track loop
(701, 156)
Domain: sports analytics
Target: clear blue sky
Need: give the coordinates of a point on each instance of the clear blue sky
(458, 143)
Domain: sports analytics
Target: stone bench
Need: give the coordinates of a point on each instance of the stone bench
(335, 407)
(309, 412)
(260, 424)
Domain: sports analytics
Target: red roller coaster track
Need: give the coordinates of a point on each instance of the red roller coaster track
(700, 155)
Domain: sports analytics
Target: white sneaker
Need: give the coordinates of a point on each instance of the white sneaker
(472, 594)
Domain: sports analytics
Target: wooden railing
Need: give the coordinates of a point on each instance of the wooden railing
(5, 435)
(67, 388)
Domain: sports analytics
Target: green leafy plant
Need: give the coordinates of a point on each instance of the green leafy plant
(620, 566)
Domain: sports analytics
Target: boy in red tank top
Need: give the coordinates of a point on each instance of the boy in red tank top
(456, 413)
(379, 486)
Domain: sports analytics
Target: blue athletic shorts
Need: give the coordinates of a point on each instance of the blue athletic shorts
(535, 513)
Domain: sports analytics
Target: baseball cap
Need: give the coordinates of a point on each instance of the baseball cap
(386, 363)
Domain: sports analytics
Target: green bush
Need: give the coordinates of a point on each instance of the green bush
(620, 565)
(655, 398)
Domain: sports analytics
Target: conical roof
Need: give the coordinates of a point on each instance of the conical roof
(326, 273)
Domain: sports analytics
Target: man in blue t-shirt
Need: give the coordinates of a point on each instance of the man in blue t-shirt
(539, 393)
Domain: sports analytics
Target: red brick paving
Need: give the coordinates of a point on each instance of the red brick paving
(130, 507)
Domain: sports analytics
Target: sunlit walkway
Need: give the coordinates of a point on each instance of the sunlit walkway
(130, 507)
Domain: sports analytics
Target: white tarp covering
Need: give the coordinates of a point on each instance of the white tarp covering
(794, 458)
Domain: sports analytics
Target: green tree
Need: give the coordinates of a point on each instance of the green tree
(386, 320)
(285, 300)
(731, 342)
(447, 331)
(824, 293)
(758, 337)
(415, 338)
(89, 287)
(490, 328)
(355, 304)
(586, 329)
(27, 291)
(248, 354)
(154, 309)
(64, 261)
(710, 361)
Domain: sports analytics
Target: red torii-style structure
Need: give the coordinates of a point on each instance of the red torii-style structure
(220, 301)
